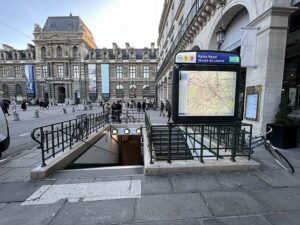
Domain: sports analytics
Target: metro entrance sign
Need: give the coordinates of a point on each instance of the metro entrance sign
(205, 86)
(210, 58)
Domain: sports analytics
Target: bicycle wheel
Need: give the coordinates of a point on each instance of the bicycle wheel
(280, 159)
(129, 119)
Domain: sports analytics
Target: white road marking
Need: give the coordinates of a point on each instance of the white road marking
(21, 135)
(48, 194)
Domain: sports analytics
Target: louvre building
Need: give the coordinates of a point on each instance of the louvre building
(64, 66)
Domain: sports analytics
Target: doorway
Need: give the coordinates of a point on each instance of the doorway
(61, 94)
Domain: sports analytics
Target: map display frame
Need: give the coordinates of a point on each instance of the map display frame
(205, 87)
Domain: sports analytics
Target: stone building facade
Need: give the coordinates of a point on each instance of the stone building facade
(193, 25)
(68, 67)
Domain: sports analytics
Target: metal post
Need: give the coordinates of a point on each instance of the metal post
(169, 145)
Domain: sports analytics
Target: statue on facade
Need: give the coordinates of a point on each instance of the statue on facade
(37, 28)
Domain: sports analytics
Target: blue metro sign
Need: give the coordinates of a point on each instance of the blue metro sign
(208, 58)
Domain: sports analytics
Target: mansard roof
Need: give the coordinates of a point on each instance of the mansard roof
(63, 24)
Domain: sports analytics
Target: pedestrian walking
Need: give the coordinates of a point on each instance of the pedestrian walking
(13, 105)
(162, 107)
(139, 106)
(168, 110)
(144, 106)
(5, 107)
(23, 106)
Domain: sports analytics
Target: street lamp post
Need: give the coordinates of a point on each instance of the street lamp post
(221, 31)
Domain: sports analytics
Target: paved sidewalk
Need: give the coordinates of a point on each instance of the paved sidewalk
(270, 196)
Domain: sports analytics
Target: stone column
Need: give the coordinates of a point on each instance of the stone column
(270, 57)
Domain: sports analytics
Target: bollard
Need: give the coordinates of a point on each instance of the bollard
(65, 111)
(90, 106)
(36, 114)
(85, 108)
(16, 116)
(73, 109)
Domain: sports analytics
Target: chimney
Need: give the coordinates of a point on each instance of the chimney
(127, 47)
(152, 47)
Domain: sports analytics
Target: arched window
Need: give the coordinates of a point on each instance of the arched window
(119, 91)
(15, 56)
(18, 89)
(146, 89)
(132, 91)
(5, 91)
(2, 56)
(58, 51)
(43, 52)
(75, 52)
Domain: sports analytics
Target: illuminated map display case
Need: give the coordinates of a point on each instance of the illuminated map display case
(205, 87)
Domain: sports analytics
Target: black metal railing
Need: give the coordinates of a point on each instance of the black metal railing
(58, 137)
(199, 141)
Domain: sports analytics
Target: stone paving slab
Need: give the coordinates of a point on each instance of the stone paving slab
(170, 222)
(156, 185)
(21, 163)
(98, 172)
(170, 207)
(4, 170)
(280, 199)
(232, 204)
(19, 191)
(238, 180)
(249, 220)
(15, 214)
(98, 212)
(2, 205)
(284, 219)
(195, 183)
(16, 175)
(279, 178)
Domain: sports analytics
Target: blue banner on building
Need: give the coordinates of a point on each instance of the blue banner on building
(105, 78)
(29, 80)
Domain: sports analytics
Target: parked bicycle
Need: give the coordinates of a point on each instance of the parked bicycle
(273, 151)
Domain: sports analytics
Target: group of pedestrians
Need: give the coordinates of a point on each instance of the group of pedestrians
(168, 109)
(140, 106)
(115, 110)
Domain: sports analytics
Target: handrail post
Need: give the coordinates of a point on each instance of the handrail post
(233, 151)
(169, 144)
(150, 145)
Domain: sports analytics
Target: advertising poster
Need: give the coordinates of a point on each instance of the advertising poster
(105, 79)
(92, 78)
(29, 80)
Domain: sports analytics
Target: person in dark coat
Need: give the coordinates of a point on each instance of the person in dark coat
(23, 106)
(139, 106)
(5, 107)
(162, 107)
(168, 109)
(119, 111)
(144, 106)
(114, 109)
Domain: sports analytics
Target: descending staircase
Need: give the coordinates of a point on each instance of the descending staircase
(160, 143)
